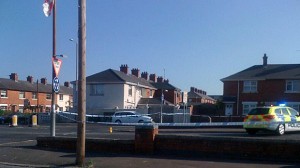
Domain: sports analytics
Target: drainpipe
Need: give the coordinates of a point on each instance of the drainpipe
(238, 98)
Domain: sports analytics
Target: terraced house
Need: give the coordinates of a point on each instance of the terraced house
(30, 96)
(259, 85)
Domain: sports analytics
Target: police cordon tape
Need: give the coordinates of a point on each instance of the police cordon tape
(202, 124)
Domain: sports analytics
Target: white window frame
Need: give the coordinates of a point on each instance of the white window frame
(247, 106)
(3, 93)
(61, 97)
(130, 90)
(250, 86)
(34, 95)
(292, 86)
(22, 95)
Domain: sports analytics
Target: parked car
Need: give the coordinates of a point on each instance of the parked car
(2, 119)
(130, 117)
(278, 119)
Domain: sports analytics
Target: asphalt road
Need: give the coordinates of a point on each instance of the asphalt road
(18, 148)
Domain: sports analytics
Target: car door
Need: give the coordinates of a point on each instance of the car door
(295, 119)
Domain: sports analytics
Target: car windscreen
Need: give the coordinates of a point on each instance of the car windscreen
(259, 111)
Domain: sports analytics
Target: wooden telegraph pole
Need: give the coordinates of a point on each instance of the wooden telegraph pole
(81, 108)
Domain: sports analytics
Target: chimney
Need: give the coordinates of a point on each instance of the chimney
(124, 68)
(145, 75)
(67, 84)
(30, 79)
(44, 81)
(166, 80)
(153, 77)
(192, 89)
(160, 79)
(135, 72)
(265, 60)
(14, 76)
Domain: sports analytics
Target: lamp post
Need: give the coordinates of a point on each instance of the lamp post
(76, 69)
(161, 105)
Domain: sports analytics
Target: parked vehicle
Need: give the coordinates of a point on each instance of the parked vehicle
(130, 117)
(278, 119)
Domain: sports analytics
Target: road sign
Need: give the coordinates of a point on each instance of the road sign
(56, 84)
(56, 65)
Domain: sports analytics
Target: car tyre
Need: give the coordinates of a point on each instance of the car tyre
(251, 131)
(280, 129)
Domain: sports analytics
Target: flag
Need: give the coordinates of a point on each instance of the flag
(47, 7)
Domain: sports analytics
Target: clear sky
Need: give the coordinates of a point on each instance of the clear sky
(196, 42)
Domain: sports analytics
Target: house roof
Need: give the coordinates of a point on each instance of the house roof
(270, 71)
(8, 84)
(114, 76)
(164, 85)
(195, 95)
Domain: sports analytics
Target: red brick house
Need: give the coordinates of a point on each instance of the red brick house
(259, 85)
(30, 96)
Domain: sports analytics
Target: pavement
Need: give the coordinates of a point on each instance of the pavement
(26, 154)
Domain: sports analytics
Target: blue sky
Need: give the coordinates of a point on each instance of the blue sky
(196, 42)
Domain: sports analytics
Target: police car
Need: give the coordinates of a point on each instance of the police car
(273, 118)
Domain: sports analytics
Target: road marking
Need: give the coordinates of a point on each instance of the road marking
(10, 143)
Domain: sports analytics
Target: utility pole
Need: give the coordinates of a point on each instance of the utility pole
(81, 108)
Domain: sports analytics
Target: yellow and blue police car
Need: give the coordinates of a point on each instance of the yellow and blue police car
(273, 118)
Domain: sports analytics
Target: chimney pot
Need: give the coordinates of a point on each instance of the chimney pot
(145, 75)
(153, 77)
(160, 79)
(135, 72)
(44, 81)
(124, 68)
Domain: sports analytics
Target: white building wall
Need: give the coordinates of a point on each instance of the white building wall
(113, 97)
(131, 101)
(66, 102)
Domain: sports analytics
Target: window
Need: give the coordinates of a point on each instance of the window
(247, 107)
(34, 95)
(293, 86)
(61, 109)
(3, 93)
(129, 90)
(22, 95)
(97, 90)
(250, 86)
(293, 112)
(61, 97)
(48, 96)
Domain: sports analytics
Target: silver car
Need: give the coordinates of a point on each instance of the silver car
(130, 117)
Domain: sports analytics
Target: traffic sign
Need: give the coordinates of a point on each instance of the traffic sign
(56, 85)
(56, 65)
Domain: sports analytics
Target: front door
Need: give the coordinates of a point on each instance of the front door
(228, 109)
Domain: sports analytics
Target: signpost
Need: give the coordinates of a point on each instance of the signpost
(56, 85)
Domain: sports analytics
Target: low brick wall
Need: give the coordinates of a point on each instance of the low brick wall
(264, 149)
(92, 145)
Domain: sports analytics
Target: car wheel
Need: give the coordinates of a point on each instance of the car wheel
(141, 121)
(251, 131)
(118, 121)
(280, 129)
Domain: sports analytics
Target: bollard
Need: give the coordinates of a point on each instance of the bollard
(34, 120)
(110, 130)
(14, 120)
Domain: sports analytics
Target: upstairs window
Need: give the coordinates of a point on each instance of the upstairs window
(3, 93)
(48, 96)
(293, 86)
(61, 97)
(250, 86)
(129, 90)
(22, 95)
(34, 95)
(97, 90)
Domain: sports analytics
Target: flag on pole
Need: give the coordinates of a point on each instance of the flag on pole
(47, 7)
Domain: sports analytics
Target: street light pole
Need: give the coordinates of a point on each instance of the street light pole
(161, 105)
(76, 74)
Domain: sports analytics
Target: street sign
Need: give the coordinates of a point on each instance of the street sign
(56, 85)
(56, 65)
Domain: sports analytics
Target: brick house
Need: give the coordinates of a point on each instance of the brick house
(198, 96)
(259, 85)
(29, 96)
